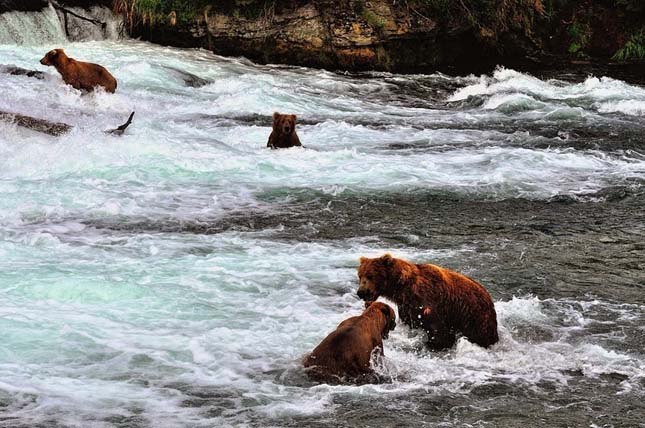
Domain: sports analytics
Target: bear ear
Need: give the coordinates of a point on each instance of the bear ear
(294, 117)
(59, 51)
(276, 115)
(362, 259)
(387, 259)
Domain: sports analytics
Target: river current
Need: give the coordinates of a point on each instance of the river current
(176, 276)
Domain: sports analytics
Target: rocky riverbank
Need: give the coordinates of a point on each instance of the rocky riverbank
(464, 36)
(404, 36)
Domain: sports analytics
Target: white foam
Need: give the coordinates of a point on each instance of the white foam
(509, 82)
(629, 107)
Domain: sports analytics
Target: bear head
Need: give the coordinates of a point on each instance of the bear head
(284, 124)
(382, 276)
(387, 312)
(53, 57)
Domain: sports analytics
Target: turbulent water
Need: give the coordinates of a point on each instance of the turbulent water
(175, 276)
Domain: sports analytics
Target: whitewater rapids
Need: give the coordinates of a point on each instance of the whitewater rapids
(175, 276)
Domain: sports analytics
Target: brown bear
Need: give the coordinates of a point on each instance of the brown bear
(81, 75)
(441, 302)
(284, 132)
(346, 352)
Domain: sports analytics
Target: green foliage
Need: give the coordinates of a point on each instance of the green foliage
(154, 11)
(580, 34)
(491, 17)
(633, 50)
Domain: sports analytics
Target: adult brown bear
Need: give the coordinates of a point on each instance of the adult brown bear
(283, 134)
(80, 75)
(346, 352)
(442, 302)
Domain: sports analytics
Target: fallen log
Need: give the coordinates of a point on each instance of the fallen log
(55, 129)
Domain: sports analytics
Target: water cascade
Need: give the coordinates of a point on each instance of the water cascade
(56, 24)
(31, 28)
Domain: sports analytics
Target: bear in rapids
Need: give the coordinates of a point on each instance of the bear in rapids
(80, 75)
(283, 134)
(346, 352)
(441, 302)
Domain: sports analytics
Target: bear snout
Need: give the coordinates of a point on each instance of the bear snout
(365, 294)
(44, 61)
(389, 326)
(287, 129)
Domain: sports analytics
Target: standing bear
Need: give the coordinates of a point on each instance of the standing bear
(346, 352)
(284, 132)
(78, 74)
(441, 302)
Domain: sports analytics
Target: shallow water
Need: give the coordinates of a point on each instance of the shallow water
(175, 276)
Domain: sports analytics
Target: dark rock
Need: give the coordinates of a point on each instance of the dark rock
(189, 79)
(35, 124)
(17, 71)
(22, 5)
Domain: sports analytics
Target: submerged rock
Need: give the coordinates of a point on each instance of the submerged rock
(18, 71)
(55, 129)
(189, 79)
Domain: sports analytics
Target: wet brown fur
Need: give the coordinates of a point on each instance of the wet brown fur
(284, 132)
(346, 352)
(80, 75)
(442, 302)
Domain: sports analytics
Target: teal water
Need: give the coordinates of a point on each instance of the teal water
(176, 276)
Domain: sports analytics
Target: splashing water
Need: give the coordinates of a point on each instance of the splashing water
(175, 276)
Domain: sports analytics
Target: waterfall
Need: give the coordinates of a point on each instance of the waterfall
(51, 26)
(31, 28)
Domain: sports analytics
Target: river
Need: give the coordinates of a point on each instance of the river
(175, 276)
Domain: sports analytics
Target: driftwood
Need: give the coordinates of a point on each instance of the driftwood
(54, 129)
(121, 129)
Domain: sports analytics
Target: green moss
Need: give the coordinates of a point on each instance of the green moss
(373, 20)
